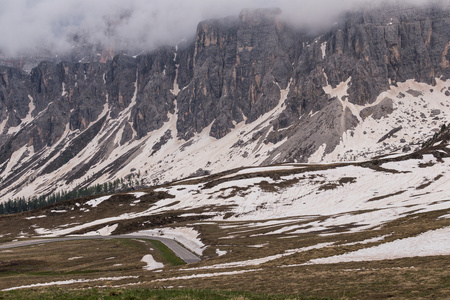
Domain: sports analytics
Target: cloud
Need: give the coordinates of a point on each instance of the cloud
(29, 26)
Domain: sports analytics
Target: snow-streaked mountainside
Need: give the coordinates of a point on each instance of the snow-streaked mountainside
(276, 218)
(249, 91)
(352, 196)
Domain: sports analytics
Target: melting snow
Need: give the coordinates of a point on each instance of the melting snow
(413, 114)
(221, 252)
(188, 237)
(207, 275)
(138, 195)
(36, 217)
(323, 47)
(107, 230)
(72, 281)
(372, 240)
(431, 243)
(96, 202)
(75, 257)
(258, 261)
(152, 264)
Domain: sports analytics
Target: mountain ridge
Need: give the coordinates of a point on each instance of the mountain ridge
(292, 92)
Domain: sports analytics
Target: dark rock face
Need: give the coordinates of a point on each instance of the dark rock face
(385, 45)
(156, 75)
(239, 66)
(14, 91)
(236, 69)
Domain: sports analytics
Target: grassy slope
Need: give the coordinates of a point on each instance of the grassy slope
(57, 293)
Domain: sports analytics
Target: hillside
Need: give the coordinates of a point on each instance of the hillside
(249, 90)
(376, 228)
(258, 157)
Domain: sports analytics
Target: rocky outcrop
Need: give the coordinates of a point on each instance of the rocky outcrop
(239, 67)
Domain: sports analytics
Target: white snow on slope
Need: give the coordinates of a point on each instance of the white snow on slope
(221, 252)
(75, 257)
(152, 264)
(372, 240)
(373, 198)
(35, 217)
(413, 114)
(66, 282)
(379, 196)
(259, 261)
(207, 275)
(173, 161)
(107, 230)
(323, 48)
(176, 158)
(431, 243)
(138, 195)
(97, 201)
(31, 108)
(188, 237)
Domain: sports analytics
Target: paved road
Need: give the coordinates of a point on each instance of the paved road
(179, 250)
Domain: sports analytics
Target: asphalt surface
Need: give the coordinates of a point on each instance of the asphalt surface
(176, 248)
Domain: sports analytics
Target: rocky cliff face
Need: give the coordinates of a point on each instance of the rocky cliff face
(254, 85)
(239, 66)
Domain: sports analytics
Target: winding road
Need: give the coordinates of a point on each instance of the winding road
(176, 248)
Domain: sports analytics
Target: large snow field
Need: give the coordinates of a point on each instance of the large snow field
(413, 113)
(431, 243)
(346, 194)
(370, 199)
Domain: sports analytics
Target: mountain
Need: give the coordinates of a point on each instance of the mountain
(373, 229)
(247, 91)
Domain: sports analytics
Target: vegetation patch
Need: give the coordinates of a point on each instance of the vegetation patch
(160, 293)
(167, 254)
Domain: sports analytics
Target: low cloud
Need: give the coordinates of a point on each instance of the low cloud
(30, 26)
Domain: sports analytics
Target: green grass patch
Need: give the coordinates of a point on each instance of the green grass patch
(58, 293)
(167, 254)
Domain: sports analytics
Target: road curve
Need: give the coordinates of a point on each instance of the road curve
(176, 248)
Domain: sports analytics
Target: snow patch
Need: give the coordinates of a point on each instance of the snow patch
(259, 261)
(323, 47)
(35, 217)
(152, 264)
(107, 230)
(75, 257)
(138, 195)
(372, 240)
(431, 243)
(96, 202)
(207, 275)
(187, 236)
(221, 252)
(318, 155)
(66, 282)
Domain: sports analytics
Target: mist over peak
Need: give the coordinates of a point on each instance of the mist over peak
(28, 27)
